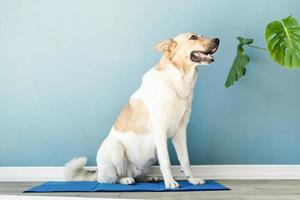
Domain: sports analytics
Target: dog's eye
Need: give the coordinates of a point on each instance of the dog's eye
(194, 37)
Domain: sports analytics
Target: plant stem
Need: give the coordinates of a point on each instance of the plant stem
(256, 47)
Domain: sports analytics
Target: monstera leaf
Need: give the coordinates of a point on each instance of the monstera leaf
(283, 41)
(238, 68)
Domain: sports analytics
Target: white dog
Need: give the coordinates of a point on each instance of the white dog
(158, 110)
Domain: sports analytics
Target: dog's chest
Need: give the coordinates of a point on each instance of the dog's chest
(177, 112)
(168, 97)
(179, 102)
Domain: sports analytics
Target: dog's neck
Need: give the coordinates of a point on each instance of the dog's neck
(181, 78)
(182, 67)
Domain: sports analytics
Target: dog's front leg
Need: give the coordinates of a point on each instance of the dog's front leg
(180, 143)
(164, 159)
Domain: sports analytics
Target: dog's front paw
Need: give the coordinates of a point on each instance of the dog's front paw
(196, 180)
(171, 184)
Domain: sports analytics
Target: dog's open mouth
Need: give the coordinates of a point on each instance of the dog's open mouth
(200, 56)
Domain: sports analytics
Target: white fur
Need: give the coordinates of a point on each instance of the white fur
(126, 155)
(123, 157)
(74, 170)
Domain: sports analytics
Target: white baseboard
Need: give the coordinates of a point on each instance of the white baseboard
(205, 171)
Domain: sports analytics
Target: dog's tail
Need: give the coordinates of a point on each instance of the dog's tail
(74, 171)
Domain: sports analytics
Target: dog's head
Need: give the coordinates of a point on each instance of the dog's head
(189, 49)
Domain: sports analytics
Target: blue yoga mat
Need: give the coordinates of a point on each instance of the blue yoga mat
(93, 186)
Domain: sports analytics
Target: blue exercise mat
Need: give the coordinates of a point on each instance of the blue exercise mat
(93, 186)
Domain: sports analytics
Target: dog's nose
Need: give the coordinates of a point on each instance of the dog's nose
(216, 41)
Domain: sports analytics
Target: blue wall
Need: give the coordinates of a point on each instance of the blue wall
(68, 66)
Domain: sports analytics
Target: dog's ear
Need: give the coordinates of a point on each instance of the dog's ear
(165, 45)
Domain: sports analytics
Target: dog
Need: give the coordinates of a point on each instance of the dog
(160, 109)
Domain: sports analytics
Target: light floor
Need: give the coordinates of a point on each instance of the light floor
(240, 189)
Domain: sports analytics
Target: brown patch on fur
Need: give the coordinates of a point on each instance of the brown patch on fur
(166, 45)
(134, 117)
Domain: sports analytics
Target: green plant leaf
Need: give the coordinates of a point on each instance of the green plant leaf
(283, 41)
(238, 68)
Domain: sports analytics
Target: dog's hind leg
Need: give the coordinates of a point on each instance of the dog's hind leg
(112, 163)
(121, 163)
(107, 173)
